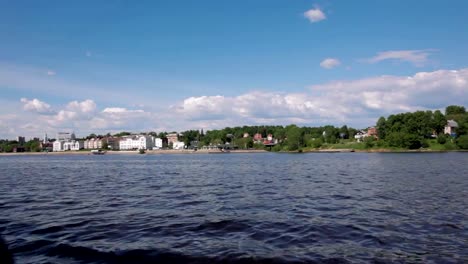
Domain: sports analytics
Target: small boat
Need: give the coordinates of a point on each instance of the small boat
(97, 152)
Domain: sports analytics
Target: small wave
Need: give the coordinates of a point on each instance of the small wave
(47, 230)
(31, 246)
(155, 256)
(223, 225)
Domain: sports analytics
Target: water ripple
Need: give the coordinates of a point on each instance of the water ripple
(262, 208)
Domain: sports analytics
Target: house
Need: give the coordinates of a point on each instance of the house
(269, 137)
(246, 135)
(258, 137)
(360, 135)
(450, 128)
(47, 146)
(372, 132)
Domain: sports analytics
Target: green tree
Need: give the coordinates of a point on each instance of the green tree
(369, 142)
(381, 127)
(294, 137)
(454, 110)
(344, 132)
(123, 133)
(438, 122)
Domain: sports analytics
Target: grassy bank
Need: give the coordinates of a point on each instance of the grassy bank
(432, 145)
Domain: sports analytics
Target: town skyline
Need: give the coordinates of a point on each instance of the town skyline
(97, 68)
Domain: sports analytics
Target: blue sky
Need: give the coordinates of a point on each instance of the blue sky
(154, 62)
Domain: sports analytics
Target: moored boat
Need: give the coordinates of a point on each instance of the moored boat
(97, 152)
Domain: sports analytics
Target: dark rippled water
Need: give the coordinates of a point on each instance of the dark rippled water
(268, 208)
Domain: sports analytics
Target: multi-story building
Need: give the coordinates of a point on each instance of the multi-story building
(21, 140)
(136, 142)
(73, 145)
(178, 145)
(67, 145)
(65, 136)
(58, 145)
(93, 143)
(158, 143)
(112, 142)
(172, 137)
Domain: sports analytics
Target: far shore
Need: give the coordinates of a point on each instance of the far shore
(132, 152)
(185, 151)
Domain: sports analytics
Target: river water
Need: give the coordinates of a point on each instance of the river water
(236, 208)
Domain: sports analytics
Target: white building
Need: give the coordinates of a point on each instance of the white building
(136, 142)
(158, 143)
(93, 143)
(67, 145)
(65, 136)
(451, 127)
(58, 146)
(360, 135)
(178, 145)
(73, 145)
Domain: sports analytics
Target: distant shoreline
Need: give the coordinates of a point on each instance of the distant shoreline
(165, 152)
(134, 152)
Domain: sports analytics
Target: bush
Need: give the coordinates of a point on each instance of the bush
(442, 139)
(424, 143)
(369, 142)
(317, 143)
(277, 148)
(462, 142)
(413, 141)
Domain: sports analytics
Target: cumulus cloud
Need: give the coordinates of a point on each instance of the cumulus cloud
(357, 103)
(35, 105)
(416, 57)
(119, 110)
(86, 106)
(315, 15)
(330, 63)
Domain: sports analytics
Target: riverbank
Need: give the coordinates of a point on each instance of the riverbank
(169, 152)
(125, 152)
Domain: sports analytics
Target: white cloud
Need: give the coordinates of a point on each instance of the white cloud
(357, 103)
(416, 57)
(330, 63)
(35, 105)
(119, 110)
(315, 15)
(86, 106)
(51, 73)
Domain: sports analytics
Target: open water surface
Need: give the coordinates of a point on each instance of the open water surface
(236, 208)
